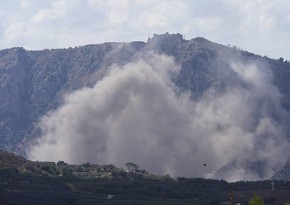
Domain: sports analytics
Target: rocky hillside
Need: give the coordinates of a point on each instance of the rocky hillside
(35, 82)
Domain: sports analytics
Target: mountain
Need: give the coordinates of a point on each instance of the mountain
(32, 83)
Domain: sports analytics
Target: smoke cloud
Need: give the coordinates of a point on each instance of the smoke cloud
(136, 113)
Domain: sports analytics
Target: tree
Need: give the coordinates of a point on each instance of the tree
(61, 163)
(256, 200)
(131, 166)
(287, 203)
(67, 171)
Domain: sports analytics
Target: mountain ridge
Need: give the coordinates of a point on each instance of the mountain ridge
(32, 83)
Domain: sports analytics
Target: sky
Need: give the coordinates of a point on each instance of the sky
(258, 26)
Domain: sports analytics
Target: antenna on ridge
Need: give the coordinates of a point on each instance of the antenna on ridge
(273, 185)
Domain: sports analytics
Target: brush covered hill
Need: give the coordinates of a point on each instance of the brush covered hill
(13, 166)
(27, 182)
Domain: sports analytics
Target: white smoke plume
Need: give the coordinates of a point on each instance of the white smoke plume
(135, 114)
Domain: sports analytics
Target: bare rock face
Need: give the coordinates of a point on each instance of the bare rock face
(12, 80)
(34, 82)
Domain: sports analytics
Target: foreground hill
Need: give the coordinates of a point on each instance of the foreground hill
(27, 182)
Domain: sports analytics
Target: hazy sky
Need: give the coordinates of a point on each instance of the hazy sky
(259, 26)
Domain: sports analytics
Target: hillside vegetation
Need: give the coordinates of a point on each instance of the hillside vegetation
(27, 182)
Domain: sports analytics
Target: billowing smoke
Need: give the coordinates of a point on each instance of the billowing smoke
(135, 113)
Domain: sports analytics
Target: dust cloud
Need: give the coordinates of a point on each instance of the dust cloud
(136, 113)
